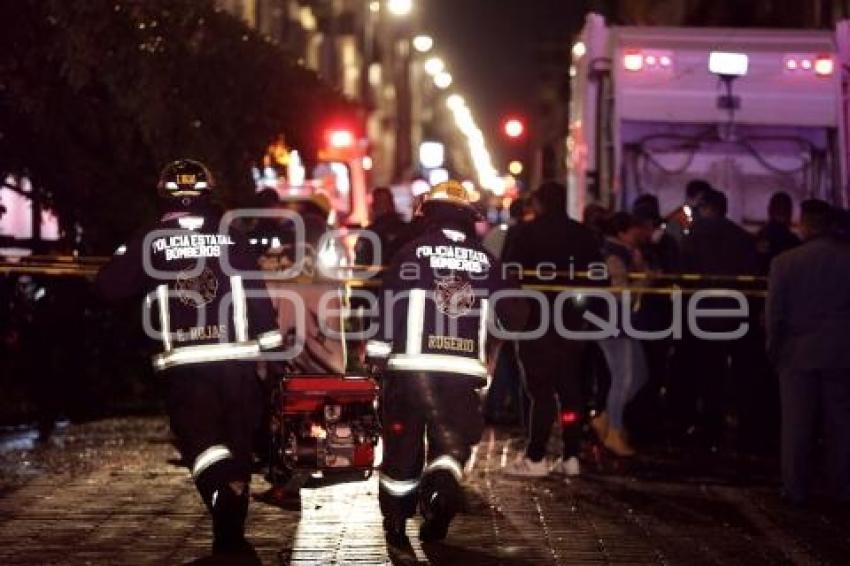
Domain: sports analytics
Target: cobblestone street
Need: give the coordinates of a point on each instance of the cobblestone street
(111, 492)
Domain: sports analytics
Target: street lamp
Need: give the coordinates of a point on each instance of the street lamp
(423, 43)
(443, 80)
(455, 101)
(434, 66)
(400, 7)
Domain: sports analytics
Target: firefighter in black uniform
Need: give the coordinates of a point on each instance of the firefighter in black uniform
(437, 301)
(214, 321)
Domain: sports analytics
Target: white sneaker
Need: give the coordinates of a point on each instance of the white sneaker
(569, 467)
(524, 468)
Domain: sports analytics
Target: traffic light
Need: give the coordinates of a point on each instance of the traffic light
(513, 127)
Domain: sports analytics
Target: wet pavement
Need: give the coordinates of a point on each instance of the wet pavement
(111, 492)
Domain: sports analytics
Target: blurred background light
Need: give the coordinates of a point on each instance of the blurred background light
(423, 43)
(443, 80)
(400, 7)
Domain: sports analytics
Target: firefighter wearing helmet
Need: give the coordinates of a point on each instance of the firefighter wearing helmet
(211, 321)
(432, 349)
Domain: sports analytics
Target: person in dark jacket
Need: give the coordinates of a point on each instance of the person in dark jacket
(776, 236)
(808, 340)
(678, 223)
(213, 321)
(663, 257)
(552, 364)
(505, 400)
(716, 246)
(661, 249)
(387, 225)
(437, 305)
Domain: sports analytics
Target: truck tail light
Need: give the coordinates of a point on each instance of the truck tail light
(824, 65)
(633, 60)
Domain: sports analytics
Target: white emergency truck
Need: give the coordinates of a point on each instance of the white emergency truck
(751, 111)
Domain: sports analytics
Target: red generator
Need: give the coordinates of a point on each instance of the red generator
(323, 423)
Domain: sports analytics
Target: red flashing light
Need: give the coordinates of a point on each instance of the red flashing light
(341, 139)
(569, 417)
(397, 427)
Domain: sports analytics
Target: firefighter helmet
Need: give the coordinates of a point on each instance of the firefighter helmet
(185, 183)
(322, 202)
(450, 194)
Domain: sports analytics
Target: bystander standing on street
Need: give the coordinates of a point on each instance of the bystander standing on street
(808, 317)
(624, 354)
(717, 375)
(776, 236)
(552, 364)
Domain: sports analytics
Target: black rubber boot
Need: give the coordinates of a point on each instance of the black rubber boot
(439, 502)
(394, 533)
(229, 510)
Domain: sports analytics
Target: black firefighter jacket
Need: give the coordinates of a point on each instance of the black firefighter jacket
(202, 303)
(439, 297)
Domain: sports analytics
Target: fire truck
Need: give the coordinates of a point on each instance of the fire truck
(751, 111)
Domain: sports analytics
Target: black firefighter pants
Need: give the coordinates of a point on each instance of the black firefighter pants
(214, 410)
(445, 409)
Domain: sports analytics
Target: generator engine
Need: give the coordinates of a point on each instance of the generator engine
(324, 424)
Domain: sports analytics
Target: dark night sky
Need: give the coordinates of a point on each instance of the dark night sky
(489, 46)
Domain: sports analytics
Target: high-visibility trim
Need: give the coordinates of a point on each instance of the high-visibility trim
(482, 332)
(240, 309)
(164, 316)
(437, 362)
(269, 340)
(378, 349)
(398, 488)
(208, 457)
(205, 353)
(448, 463)
(415, 320)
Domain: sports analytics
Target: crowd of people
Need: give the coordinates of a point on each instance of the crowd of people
(788, 371)
(711, 395)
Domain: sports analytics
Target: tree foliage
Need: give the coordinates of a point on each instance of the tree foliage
(96, 96)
